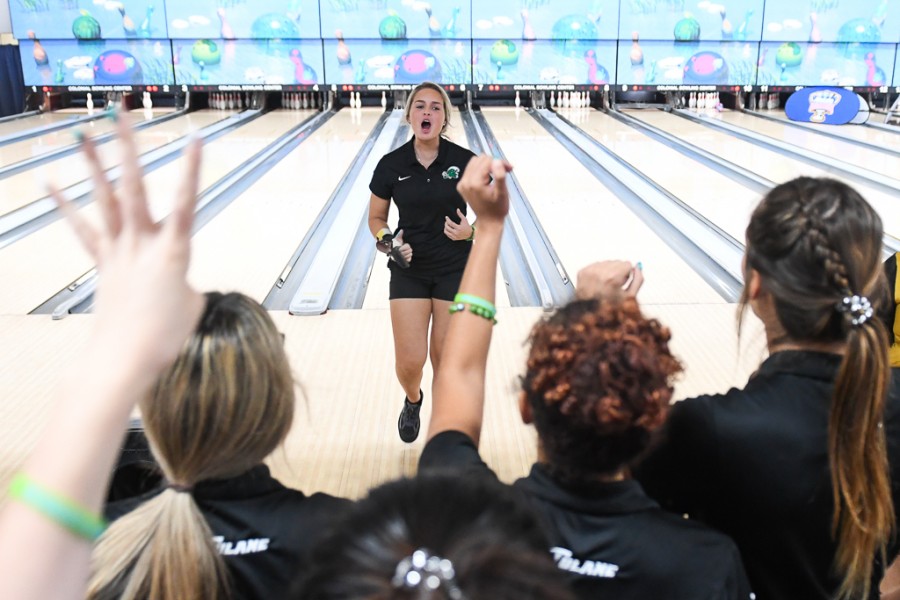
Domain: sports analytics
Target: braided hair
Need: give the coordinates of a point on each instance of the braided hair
(816, 244)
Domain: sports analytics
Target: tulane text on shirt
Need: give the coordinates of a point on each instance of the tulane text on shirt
(591, 568)
(250, 546)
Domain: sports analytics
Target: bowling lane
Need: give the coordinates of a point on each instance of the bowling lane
(13, 153)
(698, 186)
(28, 186)
(806, 138)
(39, 265)
(246, 246)
(583, 218)
(378, 288)
(767, 163)
(870, 135)
(22, 125)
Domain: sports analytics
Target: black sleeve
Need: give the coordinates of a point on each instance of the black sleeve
(453, 450)
(678, 470)
(381, 178)
(736, 586)
(889, 310)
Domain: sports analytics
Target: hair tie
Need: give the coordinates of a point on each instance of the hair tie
(431, 571)
(858, 307)
(180, 488)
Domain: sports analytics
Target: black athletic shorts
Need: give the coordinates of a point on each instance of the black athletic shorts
(443, 286)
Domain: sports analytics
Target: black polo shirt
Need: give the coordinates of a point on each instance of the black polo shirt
(263, 530)
(424, 197)
(754, 464)
(890, 316)
(610, 538)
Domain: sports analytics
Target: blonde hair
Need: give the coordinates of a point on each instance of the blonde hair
(224, 405)
(445, 99)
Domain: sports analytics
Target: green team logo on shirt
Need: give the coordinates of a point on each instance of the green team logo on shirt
(451, 173)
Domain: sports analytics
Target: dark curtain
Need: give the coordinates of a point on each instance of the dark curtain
(12, 82)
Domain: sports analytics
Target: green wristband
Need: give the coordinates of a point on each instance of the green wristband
(59, 509)
(471, 237)
(476, 301)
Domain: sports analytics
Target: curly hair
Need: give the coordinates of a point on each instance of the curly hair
(598, 382)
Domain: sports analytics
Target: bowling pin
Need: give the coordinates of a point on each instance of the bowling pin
(304, 100)
(147, 101)
(727, 29)
(38, 52)
(527, 29)
(383, 101)
(518, 100)
(450, 27)
(90, 103)
(434, 27)
(343, 52)
(225, 27)
(358, 100)
(636, 55)
(815, 35)
(145, 28)
(127, 23)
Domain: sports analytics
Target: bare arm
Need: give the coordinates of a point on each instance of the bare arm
(378, 214)
(145, 311)
(459, 384)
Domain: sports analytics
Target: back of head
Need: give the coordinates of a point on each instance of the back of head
(438, 536)
(224, 405)
(598, 383)
(816, 244)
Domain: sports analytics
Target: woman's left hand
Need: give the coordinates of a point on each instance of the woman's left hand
(457, 231)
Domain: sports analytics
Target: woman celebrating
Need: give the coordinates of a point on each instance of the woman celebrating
(433, 239)
(597, 386)
(797, 467)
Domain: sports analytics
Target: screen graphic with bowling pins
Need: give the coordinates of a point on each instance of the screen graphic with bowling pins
(384, 62)
(398, 19)
(89, 20)
(252, 62)
(722, 20)
(100, 62)
(243, 19)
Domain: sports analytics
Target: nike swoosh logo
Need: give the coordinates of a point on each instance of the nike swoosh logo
(403, 178)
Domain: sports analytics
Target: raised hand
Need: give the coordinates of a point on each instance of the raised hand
(489, 199)
(142, 295)
(609, 279)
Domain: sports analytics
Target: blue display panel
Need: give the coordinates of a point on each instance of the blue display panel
(831, 21)
(397, 19)
(87, 19)
(248, 62)
(401, 62)
(858, 65)
(97, 63)
(676, 20)
(542, 20)
(243, 19)
(896, 80)
(544, 62)
(687, 64)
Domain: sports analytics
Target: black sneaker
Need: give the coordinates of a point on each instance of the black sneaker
(408, 425)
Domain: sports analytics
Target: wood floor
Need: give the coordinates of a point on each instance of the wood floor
(344, 438)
